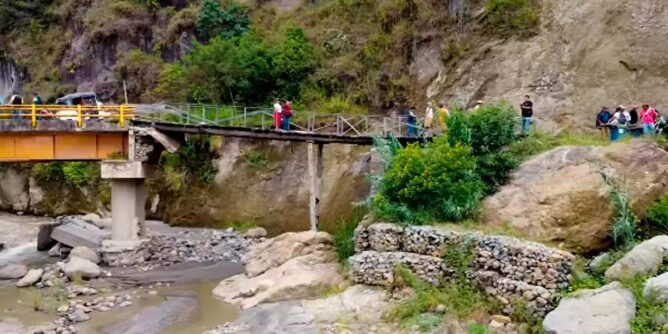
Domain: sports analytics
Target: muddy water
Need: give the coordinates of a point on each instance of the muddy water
(177, 309)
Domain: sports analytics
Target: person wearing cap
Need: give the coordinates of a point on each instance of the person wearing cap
(602, 120)
(648, 117)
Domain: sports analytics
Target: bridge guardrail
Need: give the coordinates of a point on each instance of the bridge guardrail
(77, 113)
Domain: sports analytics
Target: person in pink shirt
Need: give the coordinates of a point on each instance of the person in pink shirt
(648, 117)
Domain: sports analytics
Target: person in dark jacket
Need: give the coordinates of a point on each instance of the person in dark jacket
(527, 114)
(287, 115)
(602, 120)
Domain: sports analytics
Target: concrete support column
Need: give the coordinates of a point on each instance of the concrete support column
(128, 197)
(315, 170)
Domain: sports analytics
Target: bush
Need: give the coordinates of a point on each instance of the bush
(438, 180)
(513, 17)
(488, 130)
(213, 21)
(657, 215)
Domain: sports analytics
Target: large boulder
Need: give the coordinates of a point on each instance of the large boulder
(82, 267)
(30, 278)
(13, 271)
(300, 277)
(645, 258)
(560, 196)
(657, 288)
(274, 252)
(608, 310)
(44, 240)
(85, 253)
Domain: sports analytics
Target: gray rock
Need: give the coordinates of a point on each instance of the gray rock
(257, 232)
(85, 253)
(13, 271)
(286, 317)
(44, 239)
(76, 235)
(79, 316)
(657, 287)
(644, 258)
(30, 278)
(55, 251)
(81, 266)
(608, 310)
(597, 263)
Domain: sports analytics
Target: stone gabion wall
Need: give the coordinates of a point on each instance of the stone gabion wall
(506, 268)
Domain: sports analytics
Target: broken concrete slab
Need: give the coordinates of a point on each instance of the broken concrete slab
(74, 235)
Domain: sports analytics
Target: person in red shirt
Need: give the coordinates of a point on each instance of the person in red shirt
(287, 114)
(648, 117)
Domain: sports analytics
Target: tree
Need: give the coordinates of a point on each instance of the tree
(213, 21)
(294, 60)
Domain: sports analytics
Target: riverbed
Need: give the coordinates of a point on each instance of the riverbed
(174, 300)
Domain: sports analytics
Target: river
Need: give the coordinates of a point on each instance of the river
(181, 308)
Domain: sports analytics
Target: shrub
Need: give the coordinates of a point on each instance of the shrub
(657, 215)
(80, 174)
(343, 233)
(488, 130)
(623, 229)
(213, 21)
(439, 180)
(140, 71)
(513, 17)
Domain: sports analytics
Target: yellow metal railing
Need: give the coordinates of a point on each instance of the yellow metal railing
(114, 114)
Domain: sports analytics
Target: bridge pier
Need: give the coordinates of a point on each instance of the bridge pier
(128, 198)
(315, 169)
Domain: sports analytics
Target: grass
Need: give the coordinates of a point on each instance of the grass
(460, 298)
(477, 329)
(539, 142)
(256, 159)
(648, 310)
(623, 229)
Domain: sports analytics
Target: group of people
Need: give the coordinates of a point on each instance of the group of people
(442, 112)
(621, 122)
(282, 114)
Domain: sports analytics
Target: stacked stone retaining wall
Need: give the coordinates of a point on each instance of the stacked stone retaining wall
(505, 268)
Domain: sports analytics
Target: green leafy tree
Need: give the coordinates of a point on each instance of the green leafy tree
(294, 60)
(213, 20)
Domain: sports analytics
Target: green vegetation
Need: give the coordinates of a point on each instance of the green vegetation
(244, 69)
(657, 216)
(70, 187)
(446, 179)
(477, 329)
(213, 20)
(650, 313)
(436, 181)
(513, 17)
(256, 159)
(344, 241)
(623, 230)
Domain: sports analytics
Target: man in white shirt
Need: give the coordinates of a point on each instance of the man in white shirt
(619, 123)
(278, 114)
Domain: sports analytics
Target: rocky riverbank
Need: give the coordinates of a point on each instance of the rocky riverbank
(81, 287)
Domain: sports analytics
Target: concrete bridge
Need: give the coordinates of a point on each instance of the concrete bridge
(128, 140)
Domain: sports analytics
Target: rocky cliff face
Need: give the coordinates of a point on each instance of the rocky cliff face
(588, 53)
(266, 183)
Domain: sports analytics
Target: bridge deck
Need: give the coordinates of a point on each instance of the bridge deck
(268, 134)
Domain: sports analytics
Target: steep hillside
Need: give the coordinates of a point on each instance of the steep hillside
(572, 55)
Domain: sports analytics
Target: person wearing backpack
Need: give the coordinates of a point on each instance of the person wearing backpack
(620, 121)
(602, 120)
(287, 114)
